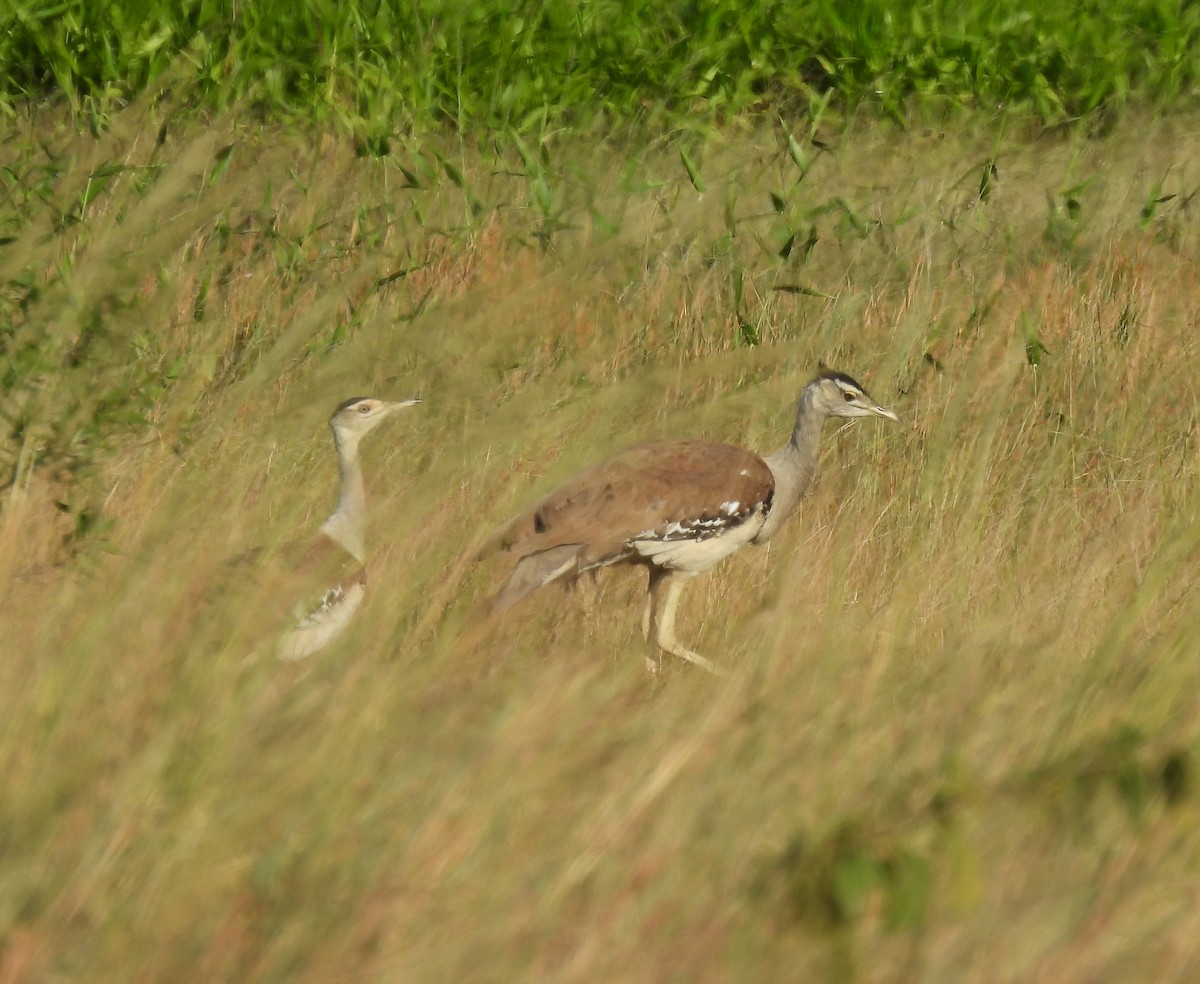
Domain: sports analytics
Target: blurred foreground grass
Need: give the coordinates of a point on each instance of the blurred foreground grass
(959, 735)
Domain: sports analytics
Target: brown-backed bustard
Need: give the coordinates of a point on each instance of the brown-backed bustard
(328, 576)
(676, 507)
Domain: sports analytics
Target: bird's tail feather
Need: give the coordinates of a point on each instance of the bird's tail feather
(535, 570)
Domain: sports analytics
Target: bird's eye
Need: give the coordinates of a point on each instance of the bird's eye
(851, 397)
(364, 408)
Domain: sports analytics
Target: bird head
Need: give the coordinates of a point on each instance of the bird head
(835, 394)
(355, 417)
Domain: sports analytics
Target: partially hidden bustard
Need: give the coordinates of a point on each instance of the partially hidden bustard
(327, 577)
(675, 507)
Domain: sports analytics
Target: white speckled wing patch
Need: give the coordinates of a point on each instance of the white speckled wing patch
(699, 544)
(323, 624)
(726, 517)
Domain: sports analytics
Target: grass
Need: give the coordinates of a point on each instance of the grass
(958, 738)
(488, 67)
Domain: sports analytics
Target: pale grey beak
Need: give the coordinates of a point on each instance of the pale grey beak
(885, 412)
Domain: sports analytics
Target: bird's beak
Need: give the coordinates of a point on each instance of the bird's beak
(885, 412)
(401, 404)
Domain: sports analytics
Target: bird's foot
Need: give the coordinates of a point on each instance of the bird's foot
(697, 660)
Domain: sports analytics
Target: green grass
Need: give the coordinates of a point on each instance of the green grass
(958, 736)
(536, 67)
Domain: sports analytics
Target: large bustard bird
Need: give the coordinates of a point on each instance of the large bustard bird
(328, 576)
(676, 507)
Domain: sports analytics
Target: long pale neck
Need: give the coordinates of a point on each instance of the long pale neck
(794, 466)
(347, 525)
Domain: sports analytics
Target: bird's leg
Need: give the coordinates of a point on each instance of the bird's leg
(652, 589)
(657, 575)
(664, 618)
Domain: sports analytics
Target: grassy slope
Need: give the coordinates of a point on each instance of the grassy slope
(962, 704)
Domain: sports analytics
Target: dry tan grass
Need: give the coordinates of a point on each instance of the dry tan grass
(965, 613)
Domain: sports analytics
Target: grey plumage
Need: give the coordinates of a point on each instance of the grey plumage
(676, 507)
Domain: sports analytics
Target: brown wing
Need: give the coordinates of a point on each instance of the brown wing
(642, 489)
